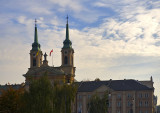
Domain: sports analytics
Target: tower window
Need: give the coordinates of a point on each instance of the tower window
(65, 60)
(34, 55)
(34, 62)
(65, 52)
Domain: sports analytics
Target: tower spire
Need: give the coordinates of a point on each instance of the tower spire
(67, 29)
(35, 45)
(67, 43)
(35, 34)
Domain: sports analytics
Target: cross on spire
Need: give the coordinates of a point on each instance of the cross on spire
(35, 22)
(67, 19)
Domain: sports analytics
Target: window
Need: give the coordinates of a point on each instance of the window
(65, 60)
(118, 111)
(146, 95)
(89, 96)
(80, 104)
(146, 103)
(140, 112)
(80, 97)
(80, 107)
(140, 95)
(129, 95)
(109, 104)
(119, 96)
(146, 111)
(119, 104)
(140, 103)
(65, 52)
(129, 104)
(34, 62)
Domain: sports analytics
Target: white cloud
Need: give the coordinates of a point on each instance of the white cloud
(122, 46)
(69, 4)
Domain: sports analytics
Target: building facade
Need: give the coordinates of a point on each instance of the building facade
(125, 96)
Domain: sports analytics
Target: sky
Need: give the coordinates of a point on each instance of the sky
(112, 39)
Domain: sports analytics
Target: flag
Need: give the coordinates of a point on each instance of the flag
(37, 53)
(51, 52)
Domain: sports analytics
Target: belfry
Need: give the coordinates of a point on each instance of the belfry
(35, 53)
(68, 56)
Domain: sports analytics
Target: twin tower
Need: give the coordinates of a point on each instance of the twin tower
(38, 66)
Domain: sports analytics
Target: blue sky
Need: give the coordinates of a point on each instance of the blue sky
(112, 39)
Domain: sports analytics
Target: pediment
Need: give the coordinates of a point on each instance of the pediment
(102, 88)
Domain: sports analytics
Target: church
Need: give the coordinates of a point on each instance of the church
(62, 74)
(125, 96)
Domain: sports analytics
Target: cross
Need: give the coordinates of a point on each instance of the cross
(35, 21)
(67, 18)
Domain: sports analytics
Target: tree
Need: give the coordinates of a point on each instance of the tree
(97, 104)
(64, 95)
(97, 79)
(39, 97)
(10, 100)
(44, 97)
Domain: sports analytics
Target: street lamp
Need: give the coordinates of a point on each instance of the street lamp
(131, 111)
(108, 103)
(67, 83)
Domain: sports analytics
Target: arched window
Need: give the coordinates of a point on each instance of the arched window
(65, 60)
(34, 62)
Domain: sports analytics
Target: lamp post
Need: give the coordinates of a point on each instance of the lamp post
(108, 102)
(68, 83)
(131, 111)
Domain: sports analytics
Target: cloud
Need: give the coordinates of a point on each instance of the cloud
(69, 5)
(112, 39)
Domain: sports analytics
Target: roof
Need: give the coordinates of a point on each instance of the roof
(39, 71)
(15, 86)
(116, 85)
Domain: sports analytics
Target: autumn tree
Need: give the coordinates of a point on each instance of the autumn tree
(10, 100)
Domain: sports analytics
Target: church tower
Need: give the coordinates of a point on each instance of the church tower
(68, 57)
(35, 53)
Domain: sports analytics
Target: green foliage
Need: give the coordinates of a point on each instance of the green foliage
(44, 97)
(64, 95)
(10, 100)
(97, 104)
(39, 97)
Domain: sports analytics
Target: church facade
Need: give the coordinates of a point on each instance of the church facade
(62, 74)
